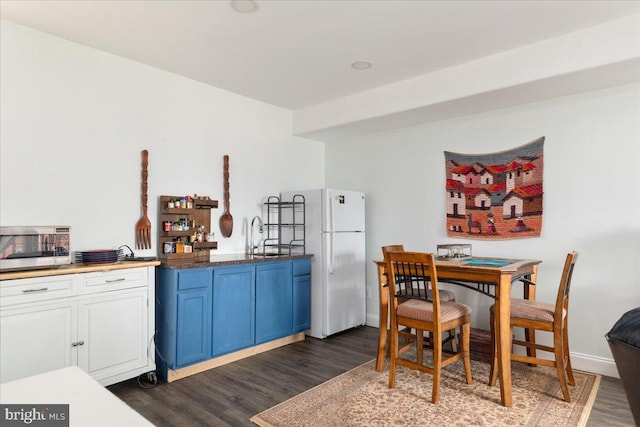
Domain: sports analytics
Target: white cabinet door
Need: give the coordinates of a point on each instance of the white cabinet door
(37, 339)
(114, 331)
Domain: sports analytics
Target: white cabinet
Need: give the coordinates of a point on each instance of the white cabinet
(99, 321)
(112, 333)
(37, 339)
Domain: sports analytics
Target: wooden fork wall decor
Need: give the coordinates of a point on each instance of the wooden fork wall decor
(143, 227)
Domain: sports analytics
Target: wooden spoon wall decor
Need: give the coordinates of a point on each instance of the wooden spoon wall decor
(226, 220)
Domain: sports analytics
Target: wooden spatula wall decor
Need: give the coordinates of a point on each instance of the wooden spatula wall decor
(226, 220)
(143, 227)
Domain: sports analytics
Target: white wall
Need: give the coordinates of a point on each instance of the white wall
(74, 122)
(591, 201)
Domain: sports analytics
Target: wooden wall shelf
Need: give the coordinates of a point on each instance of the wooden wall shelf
(200, 213)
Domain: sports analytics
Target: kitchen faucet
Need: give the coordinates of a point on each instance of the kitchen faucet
(252, 246)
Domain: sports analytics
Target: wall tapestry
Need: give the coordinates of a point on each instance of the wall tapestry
(495, 196)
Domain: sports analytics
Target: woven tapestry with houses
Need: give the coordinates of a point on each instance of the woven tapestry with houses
(495, 196)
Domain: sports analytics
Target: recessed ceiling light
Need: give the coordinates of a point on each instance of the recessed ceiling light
(361, 65)
(244, 6)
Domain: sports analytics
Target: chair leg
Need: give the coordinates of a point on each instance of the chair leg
(465, 337)
(420, 346)
(437, 367)
(558, 348)
(567, 355)
(393, 354)
(406, 338)
(454, 342)
(382, 342)
(493, 373)
(530, 337)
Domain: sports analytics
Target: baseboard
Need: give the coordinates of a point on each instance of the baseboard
(581, 362)
(373, 320)
(594, 364)
(173, 375)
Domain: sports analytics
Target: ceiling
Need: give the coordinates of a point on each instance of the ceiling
(297, 54)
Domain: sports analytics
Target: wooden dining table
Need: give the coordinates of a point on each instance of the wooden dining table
(492, 277)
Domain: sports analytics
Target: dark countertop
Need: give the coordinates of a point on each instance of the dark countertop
(235, 259)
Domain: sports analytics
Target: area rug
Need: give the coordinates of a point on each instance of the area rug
(361, 397)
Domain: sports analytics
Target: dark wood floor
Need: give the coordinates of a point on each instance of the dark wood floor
(229, 395)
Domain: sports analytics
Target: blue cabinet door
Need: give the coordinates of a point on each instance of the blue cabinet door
(183, 317)
(193, 316)
(301, 294)
(273, 301)
(301, 303)
(233, 326)
(193, 343)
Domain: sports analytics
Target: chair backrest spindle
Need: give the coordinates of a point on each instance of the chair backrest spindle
(562, 301)
(413, 275)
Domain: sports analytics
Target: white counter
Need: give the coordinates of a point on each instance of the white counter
(90, 404)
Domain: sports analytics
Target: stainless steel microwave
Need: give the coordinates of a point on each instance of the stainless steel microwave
(23, 248)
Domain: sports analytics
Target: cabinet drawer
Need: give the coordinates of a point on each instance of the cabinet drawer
(115, 280)
(22, 291)
(301, 267)
(194, 278)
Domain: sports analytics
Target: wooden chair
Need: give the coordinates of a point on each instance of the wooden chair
(535, 315)
(408, 336)
(413, 307)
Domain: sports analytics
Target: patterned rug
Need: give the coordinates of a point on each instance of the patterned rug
(361, 397)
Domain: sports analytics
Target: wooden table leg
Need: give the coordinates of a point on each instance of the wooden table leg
(530, 294)
(383, 322)
(503, 320)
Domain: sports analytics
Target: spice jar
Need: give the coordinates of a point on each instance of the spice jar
(168, 247)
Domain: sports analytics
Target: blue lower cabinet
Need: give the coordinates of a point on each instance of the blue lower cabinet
(206, 312)
(301, 294)
(194, 317)
(273, 301)
(301, 303)
(183, 317)
(233, 326)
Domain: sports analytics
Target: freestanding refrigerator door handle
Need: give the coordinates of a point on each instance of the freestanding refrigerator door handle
(332, 226)
(331, 233)
(331, 252)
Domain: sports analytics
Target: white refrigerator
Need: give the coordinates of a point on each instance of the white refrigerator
(335, 235)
